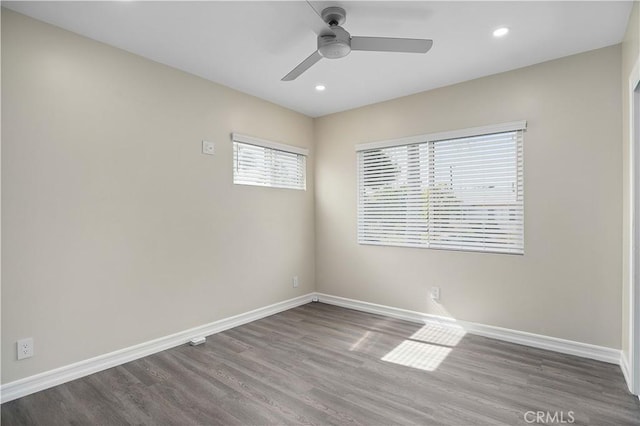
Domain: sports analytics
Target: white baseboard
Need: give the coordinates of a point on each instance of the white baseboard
(570, 347)
(38, 382)
(555, 344)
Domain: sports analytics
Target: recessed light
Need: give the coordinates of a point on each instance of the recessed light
(501, 32)
(320, 87)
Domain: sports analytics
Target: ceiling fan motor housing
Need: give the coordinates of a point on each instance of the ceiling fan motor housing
(334, 46)
(334, 15)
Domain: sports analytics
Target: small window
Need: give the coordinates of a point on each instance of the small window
(264, 163)
(444, 191)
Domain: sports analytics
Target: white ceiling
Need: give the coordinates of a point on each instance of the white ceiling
(250, 46)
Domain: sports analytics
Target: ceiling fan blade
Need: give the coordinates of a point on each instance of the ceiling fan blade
(386, 44)
(303, 66)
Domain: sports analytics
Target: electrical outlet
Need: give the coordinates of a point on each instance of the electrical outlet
(25, 348)
(435, 294)
(295, 282)
(208, 148)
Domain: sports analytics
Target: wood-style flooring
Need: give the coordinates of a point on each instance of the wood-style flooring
(325, 365)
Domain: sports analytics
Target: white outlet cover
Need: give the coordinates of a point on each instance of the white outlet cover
(25, 348)
(208, 147)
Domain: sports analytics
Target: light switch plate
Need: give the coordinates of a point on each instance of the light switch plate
(208, 147)
(435, 294)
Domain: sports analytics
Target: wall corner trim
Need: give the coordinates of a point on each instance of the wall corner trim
(48, 379)
(624, 366)
(584, 350)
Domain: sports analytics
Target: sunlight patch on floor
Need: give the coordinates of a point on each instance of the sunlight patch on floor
(427, 347)
(418, 355)
(447, 335)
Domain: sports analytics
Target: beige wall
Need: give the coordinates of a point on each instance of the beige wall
(567, 284)
(116, 229)
(630, 55)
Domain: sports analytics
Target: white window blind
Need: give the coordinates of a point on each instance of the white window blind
(263, 163)
(461, 193)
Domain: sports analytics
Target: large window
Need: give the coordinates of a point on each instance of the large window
(264, 163)
(458, 190)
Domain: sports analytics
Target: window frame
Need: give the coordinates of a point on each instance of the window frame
(301, 153)
(429, 140)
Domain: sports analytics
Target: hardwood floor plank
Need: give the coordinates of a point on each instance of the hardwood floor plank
(324, 365)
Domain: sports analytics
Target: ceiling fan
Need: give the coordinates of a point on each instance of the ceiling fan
(335, 42)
